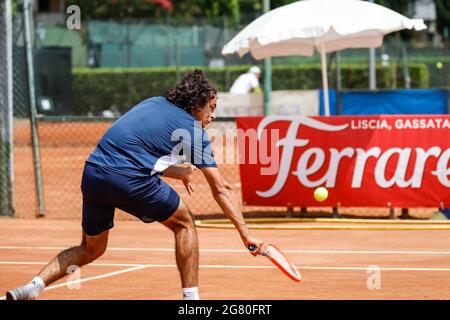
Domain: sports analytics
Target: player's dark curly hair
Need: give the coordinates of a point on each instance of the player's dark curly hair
(192, 92)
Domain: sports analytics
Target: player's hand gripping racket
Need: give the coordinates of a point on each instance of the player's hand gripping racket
(280, 260)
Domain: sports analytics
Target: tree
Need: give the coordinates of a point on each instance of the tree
(252, 9)
(443, 15)
(117, 9)
(212, 9)
(404, 7)
(183, 10)
(166, 4)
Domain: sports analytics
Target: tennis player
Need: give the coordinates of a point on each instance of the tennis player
(124, 171)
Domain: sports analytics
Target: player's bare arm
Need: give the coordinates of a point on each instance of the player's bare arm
(225, 197)
(182, 172)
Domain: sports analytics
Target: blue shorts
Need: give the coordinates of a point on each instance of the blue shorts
(104, 189)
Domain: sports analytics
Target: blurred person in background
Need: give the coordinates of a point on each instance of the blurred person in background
(247, 82)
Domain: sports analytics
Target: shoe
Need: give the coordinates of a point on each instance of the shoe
(20, 293)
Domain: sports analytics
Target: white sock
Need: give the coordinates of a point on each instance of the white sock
(191, 293)
(36, 286)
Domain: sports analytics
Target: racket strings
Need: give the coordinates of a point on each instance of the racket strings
(276, 255)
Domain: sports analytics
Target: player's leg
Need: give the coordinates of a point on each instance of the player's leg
(186, 249)
(98, 218)
(91, 248)
(152, 199)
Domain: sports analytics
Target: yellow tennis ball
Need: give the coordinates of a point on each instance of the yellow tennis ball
(321, 194)
(439, 65)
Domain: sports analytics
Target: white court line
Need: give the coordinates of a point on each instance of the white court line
(106, 275)
(219, 266)
(143, 266)
(96, 277)
(245, 251)
(91, 264)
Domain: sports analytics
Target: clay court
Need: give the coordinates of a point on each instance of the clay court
(140, 263)
(109, 57)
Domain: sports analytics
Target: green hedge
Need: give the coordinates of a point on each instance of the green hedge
(99, 89)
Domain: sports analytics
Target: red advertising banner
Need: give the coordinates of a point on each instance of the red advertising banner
(379, 161)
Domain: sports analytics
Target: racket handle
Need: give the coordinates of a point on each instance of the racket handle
(252, 247)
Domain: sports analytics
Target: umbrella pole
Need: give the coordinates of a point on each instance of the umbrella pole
(323, 58)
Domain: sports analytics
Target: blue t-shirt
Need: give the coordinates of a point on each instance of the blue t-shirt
(153, 129)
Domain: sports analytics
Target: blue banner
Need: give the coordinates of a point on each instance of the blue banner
(333, 102)
(417, 101)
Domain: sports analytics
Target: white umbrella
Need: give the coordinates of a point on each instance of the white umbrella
(323, 25)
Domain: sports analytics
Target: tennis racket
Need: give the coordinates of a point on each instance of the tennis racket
(280, 260)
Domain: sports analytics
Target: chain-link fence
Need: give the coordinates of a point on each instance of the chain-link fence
(142, 43)
(66, 142)
(24, 190)
(5, 109)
